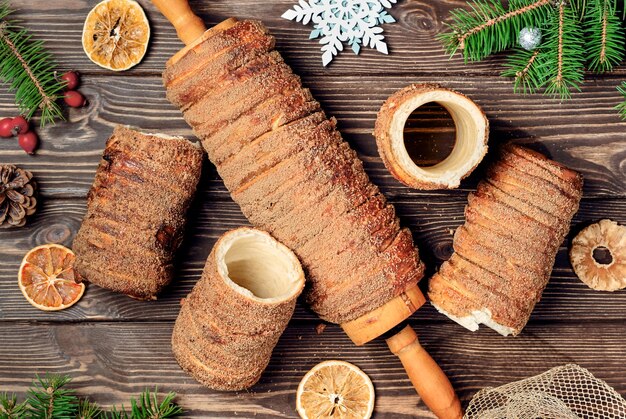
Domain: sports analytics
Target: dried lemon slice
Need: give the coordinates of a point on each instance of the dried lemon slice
(47, 278)
(335, 389)
(604, 275)
(116, 34)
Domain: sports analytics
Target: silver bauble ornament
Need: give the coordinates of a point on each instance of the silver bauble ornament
(529, 38)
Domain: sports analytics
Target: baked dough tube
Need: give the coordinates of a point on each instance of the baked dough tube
(136, 212)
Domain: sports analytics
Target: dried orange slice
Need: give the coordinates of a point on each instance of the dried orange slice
(47, 278)
(335, 389)
(116, 34)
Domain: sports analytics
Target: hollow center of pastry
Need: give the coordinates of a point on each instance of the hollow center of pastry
(602, 255)
(429, 134)
(469, 146)
(258, 266)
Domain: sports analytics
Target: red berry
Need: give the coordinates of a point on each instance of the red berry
(71, 79)
(6, 127)
(28, 141)
(74, 99)
(19, 125)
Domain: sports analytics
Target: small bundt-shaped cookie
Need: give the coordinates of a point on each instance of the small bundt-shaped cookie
(608, 274)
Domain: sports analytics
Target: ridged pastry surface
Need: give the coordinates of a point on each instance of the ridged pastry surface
(504, 253)
(136, 212)
(290, 171)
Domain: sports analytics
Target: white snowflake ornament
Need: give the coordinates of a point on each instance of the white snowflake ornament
(338, 21)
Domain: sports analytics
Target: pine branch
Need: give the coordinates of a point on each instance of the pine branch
(564, 53)
(10, 408)
(621, 108)
(47, 399)
(28, 68)
(148, 407)
(88, 410)
(488, 27)
(528, 69)
(605, 40)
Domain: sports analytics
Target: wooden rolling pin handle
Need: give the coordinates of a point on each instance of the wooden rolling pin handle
(428, 379)
(189, 27)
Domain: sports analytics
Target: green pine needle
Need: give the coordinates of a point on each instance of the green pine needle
(27, 67)
(575, 33)
(488, 27)
(149, 407)
(565, 61)
(10, 408)
(88, 410)
(48, 399)
(605, 36)
(621, 108)
(528, 70)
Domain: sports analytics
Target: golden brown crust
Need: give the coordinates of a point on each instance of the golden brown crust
(384, 133)
(241, 33)
(186, 90)
(295, 177)
(136, 212)
(505, 250)
(473, 286)
(270, 115)
(224, 335)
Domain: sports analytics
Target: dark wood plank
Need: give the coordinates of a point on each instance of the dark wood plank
(112, 362)
(432, 221)
(411, 41)
(584, 133)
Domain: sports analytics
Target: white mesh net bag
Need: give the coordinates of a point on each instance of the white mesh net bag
(565, 392)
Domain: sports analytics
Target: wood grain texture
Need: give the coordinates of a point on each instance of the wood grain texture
(114, 346)
(111, 362)
(432, 221)
(584, 133)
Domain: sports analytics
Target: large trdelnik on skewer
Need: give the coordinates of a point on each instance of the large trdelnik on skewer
(288, 168)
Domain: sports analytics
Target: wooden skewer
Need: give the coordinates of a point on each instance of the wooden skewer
(428, 379)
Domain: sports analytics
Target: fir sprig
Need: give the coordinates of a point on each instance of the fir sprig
(576, 34)
(565, 62)
(605, 43)
(527, 67)
(489, 27)
(149, 407)
(49, 398)
(28, 68)
(621, 108)
(10, 408)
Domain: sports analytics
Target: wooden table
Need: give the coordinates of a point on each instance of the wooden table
(114, 346)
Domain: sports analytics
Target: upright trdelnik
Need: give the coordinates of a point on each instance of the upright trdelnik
(136, 212)
(504, 253)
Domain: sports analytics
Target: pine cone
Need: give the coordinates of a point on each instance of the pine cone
(17, 196)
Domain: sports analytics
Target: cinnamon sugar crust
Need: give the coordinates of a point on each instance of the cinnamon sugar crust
(136, 212)
(288, 168)
(504, 253)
